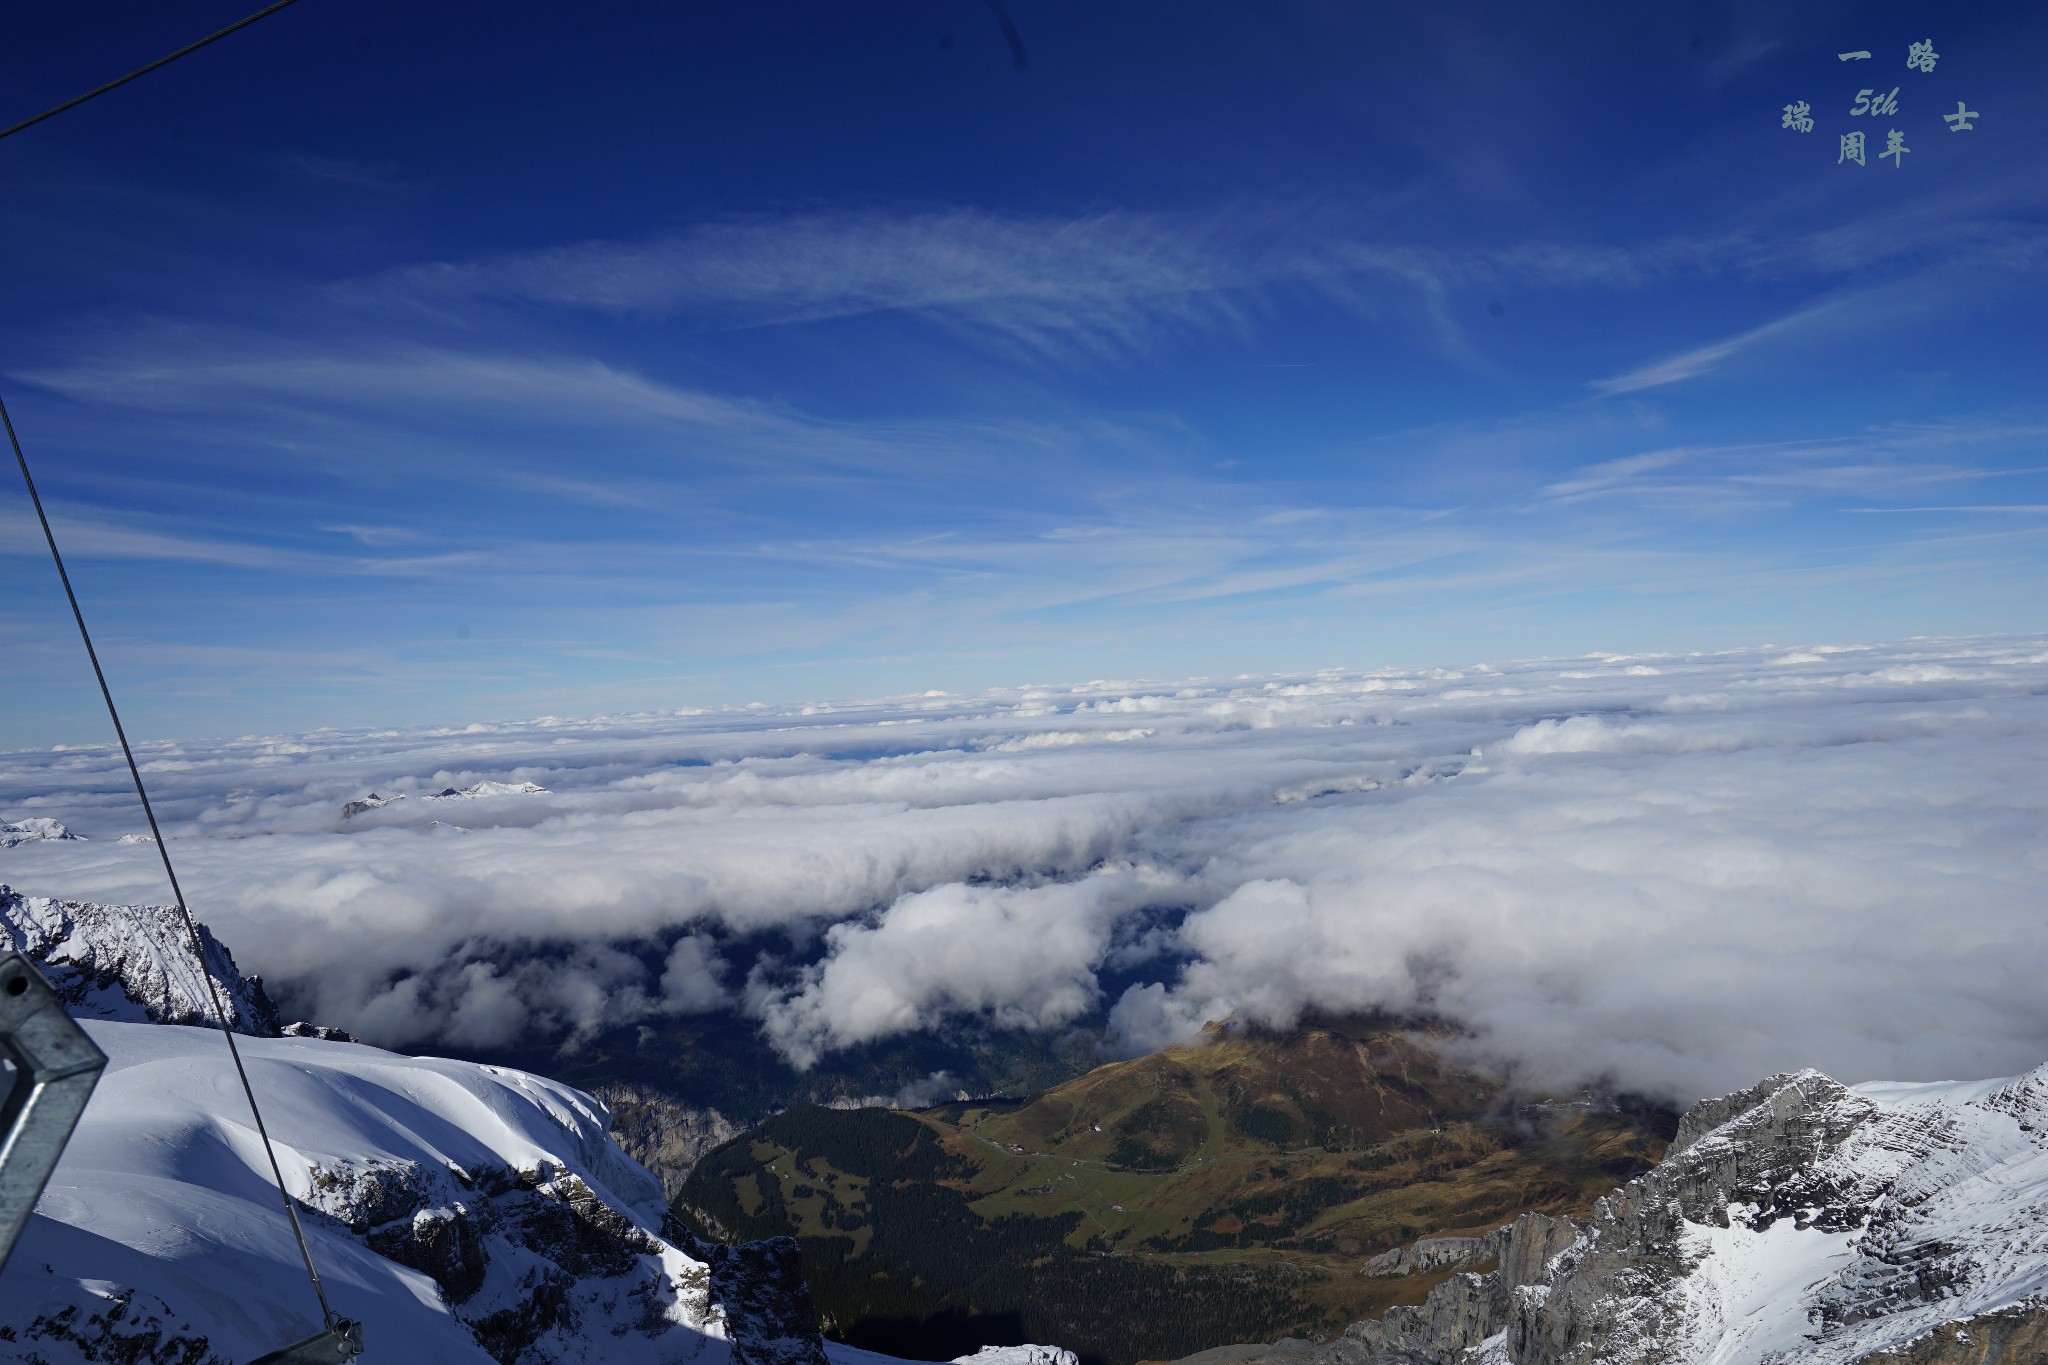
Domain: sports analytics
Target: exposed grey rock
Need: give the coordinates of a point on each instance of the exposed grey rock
(1465, 1310)
(1434, 1253)
(662, 1133)
(368, 803)
(323, 1032)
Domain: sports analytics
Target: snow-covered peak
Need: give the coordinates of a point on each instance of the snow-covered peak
(34, 830)
(484, 789)
(132, 962)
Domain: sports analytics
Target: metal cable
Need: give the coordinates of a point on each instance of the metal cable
(145, 70)
(220, 1013)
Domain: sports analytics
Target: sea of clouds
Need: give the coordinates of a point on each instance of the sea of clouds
(1672, 873)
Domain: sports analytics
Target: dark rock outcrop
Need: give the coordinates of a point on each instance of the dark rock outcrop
(562, 1246)
(661, 1132)
(768, 1309)
(120, 1326)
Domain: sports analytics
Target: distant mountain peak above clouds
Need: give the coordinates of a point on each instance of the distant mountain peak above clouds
(478, 790)
(473, 792)
(368, 803)
(34, 830)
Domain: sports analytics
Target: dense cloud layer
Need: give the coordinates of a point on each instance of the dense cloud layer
(1674, 873)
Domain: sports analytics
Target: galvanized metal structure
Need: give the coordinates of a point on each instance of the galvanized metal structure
(55, 1068)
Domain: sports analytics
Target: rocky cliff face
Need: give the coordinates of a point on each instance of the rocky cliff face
(1797, 1221)
(132, 962)
(662, 1133)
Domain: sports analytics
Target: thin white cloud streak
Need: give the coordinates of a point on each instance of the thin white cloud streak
(1101, 281)
(1870, 464)
(92, 537)
(1672, 873)
(1079, 287)
(249, 369)
(1703, 359)
(372, 403)
(2018, 507)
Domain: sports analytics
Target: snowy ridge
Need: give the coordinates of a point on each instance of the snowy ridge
(36, 830)
(477, 790)
(461, 1212)
(131, 962)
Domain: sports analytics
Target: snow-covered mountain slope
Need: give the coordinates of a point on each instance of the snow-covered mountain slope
(476, 790)
(131, 962)
(1797, 1221)
(39, 829)
(461, 1212)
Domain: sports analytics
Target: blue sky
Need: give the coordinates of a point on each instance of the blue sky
(388, 363)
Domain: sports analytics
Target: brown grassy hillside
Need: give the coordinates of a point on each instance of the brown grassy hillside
(1233, 1185)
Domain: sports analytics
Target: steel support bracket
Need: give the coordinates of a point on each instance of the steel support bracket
(55, 1066)
(337, 1345)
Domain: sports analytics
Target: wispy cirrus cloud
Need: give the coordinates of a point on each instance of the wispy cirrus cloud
(1118, 281)
(372, 396)
(1872, 463)
(1101, 280)
(1701, 360)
